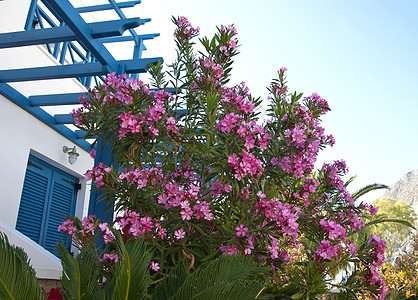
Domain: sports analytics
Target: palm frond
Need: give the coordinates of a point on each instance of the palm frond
(222, 279)
(390, 220)
(17, 278)
(368, 188)
(171, 283)
(132, 270)
(236, 290)
(80, 274)
(350, 180)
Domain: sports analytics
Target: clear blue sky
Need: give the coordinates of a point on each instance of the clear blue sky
(359, 55)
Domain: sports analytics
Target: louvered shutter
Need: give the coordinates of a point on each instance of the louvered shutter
(62, 202)
(35, 195)
(48, 196)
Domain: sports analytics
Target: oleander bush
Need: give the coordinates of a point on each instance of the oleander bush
(199, 175)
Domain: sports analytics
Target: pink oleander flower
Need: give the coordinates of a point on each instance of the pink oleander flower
(93, 153)
(373, 209)
(179, 234)
(229, 250)
(109, 258)
(154, 266)
(67, 227)
(242, 230)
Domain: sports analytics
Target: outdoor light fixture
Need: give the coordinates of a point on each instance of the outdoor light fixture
(72, 154)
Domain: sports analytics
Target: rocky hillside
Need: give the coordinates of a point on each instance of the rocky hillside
(406, 189)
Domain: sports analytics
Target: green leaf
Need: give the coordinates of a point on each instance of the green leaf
(297, 296)
(171, 283)
(131, 271)
(17, 278)
(79, 275)
(219, 279)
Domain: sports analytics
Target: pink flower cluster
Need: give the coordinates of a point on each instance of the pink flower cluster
(228, 123)
(316, 104)
(335, 230)
(237, 99)
(302, 131)
(133, 224)
(378, 258)
(327, 251)
(137, 123)
(67, 227)
(185, 197)
(333, 179)
(108, 235)
(130, 124)
(252, 132)
(142, 177)
(247, 165)
(284, 216)
(184, 28)
(210, 73)
(97, 174)
(230, 46)
(218, 188)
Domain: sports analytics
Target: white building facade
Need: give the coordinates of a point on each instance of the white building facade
(38, 184)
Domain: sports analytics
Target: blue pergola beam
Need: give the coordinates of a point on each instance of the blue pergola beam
(122, 16)
(55, 99)
(63, 119)
(80, 134)
(76, 70)
(68, 119)
(20, 100)
(53, 72)
(65, 34)
(87, 9)
(128, 38)
(73, 20)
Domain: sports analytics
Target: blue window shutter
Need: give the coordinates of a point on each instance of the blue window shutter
(62, 204)
(34, 196)
(48, 197)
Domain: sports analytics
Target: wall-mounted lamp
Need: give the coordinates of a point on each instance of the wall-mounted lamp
(72, 154)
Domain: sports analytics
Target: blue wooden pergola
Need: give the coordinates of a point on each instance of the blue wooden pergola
(80, 49)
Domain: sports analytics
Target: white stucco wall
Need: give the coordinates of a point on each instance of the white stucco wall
(22, 134)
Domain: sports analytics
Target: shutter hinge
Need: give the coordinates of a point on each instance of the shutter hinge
(76, 185)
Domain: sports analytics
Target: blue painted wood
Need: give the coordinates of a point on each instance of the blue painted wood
(48, 195)
(80, 134)
(31, 15)
(65, 34)
(139, 65)
(71, 17)
(122, 16)
(64, 99)
(75, 70)
(61, 204)
(55, 99)
(54, 72)
(20, 100)
(98, 205)
(87, 9)
(36, 188)
(63, 119)
(128, 38)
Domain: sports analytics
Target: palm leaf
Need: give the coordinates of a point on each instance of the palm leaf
(80, 274)
(171, 283)
(384, 220)
(236, 290)
(17, 278)
(368, 188)
(132, 270)
(220, 279)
